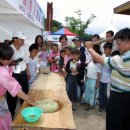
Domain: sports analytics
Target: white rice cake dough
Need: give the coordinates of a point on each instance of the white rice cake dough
(48, 105)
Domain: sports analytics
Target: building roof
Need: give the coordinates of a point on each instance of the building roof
(123, 9)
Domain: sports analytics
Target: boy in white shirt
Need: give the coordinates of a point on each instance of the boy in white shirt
(33, 62)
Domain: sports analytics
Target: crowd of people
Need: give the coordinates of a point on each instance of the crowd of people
(96, 70)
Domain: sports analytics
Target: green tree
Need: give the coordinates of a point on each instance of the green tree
(55, 25)
(76, 25)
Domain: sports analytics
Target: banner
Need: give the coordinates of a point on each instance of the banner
(30, 9)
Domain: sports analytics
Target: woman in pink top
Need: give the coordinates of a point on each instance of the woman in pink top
(7, 83)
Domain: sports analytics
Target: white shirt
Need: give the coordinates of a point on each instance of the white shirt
(114, 47)
(32, 68)
(88, 56)
(93, 69)
(21, 53)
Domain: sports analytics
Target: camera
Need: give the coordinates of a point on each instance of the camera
(18, 60)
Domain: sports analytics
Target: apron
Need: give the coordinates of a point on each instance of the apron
(3, 107)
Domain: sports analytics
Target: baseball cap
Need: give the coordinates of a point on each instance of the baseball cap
(76, 39)
(19, 34)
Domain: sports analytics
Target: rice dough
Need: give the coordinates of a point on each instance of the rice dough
(48, 105)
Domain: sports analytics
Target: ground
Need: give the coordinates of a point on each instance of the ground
(89, 120)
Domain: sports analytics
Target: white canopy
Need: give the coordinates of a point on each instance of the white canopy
(12, 19)
(110, 27)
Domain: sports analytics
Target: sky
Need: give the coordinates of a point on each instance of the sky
(102, 9)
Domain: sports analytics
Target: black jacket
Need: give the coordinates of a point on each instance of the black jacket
(80, 68)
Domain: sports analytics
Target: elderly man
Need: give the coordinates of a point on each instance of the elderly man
(21, 71)
(118, 110)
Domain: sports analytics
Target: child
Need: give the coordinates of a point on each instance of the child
(66, 58)
(7, 83)
(54, 57)
(67, 55)
(71, 78)
(91, 84)
(104, 79)
(43, 54)
(33, 63)
(61, 61)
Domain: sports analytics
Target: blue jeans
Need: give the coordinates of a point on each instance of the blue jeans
(72, 88)
(103, 95)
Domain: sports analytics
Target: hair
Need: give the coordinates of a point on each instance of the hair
(54, 44)
(75, 51)
(114, 53)
(38, 37)
(111, 32)
(33, 47)
(107, 45)
(96, 35)
(62, 51)
(44, 43)
(6, 41)
(63, 36)
(67, 47)
(99, 52)
(123, 34)
(6, 52)
(96, 47)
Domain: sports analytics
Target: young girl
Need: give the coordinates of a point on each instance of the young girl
(61, 61)
(7, 83)
(54, 57)
(66, 58)
(43, 54)
(71, 78)
(67, 55)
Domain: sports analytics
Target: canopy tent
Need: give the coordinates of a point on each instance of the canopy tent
(110, 27)
(64, 31)
(13, 19)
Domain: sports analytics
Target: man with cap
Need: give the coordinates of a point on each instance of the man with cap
(77, 41)
(21, 70)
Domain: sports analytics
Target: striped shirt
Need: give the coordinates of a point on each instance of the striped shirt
(120, 76)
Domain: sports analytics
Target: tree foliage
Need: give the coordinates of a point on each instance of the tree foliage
(55, 25)
(76, 25)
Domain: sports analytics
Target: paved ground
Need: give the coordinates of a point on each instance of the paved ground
(89, 120)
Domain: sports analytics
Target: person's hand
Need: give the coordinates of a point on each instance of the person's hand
(31, 102)
(74, 71)
(97, 85)
(89, 45)
(14, 63)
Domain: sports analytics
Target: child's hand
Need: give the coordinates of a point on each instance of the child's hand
(89, 45)
(97, 85)
(74, 71)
